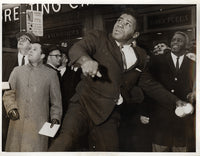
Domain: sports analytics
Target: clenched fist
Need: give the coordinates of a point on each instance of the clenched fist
(90, 68)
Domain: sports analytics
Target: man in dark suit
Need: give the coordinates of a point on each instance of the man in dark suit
(69, 78)
(109, 76)
(53, 58)
(175, 70)
(11, 60)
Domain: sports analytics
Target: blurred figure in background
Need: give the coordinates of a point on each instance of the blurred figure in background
(135, 130)
(69, 77)
(53, 58)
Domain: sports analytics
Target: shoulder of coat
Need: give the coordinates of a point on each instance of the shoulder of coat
(191, 56)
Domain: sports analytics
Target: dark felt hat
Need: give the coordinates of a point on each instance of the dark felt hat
(29, 34)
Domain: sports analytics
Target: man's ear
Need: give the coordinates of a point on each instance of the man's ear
(42, 56)
(136, 35)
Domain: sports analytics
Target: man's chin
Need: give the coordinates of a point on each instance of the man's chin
(117, 37)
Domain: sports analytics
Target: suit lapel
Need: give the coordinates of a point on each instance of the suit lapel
(115, 52)
(170, 62)
(184, 63)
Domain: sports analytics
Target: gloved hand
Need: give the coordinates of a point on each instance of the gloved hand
(13, 114)
(54, 121)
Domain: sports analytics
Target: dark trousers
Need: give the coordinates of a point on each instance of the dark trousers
(76, 123)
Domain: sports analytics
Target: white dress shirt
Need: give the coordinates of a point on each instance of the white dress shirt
(129, 53)
(130, 58)
(20, 56)
(62, 70)
(174, 58)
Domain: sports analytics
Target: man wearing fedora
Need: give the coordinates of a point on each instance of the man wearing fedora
(9, 61)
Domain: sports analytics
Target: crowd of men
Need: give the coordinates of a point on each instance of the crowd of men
(115, 93)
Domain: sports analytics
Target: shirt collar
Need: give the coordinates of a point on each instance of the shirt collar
(20, 55)
(118, 44)
(39, 65)
(174, 56)
(52, 66)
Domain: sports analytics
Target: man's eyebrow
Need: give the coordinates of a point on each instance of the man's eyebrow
(130, 21)
(126, 20)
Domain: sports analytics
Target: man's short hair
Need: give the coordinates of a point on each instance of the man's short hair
(133, 13)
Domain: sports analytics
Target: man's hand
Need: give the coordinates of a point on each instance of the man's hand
(160, 48)
(13, 114)
(53, 122)
(183, 108)
(144, 119)
(191, 97)
(90, 68)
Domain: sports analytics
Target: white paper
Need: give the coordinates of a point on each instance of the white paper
(47, 131)
(5, 85)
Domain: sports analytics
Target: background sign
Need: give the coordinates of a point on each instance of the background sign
(166, 20)
(34, 22)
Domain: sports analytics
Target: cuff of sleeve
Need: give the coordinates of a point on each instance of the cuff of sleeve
(56, 116)
(9, 100)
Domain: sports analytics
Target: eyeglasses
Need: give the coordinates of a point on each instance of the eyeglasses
(23, 39)
(57, 56)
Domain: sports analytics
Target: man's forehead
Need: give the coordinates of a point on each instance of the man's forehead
(127, 17)
(36, 45)
(25, 37)
(177, 35)
(56, 51)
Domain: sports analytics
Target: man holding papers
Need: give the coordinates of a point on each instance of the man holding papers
(27, 103)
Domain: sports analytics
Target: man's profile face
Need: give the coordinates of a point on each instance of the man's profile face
(124, 28)
(23, 43)
(35, 53)
(178, 43)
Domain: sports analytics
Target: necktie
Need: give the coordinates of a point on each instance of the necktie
(177, 63)
(59, 74)
(123, 58)
(23, 60)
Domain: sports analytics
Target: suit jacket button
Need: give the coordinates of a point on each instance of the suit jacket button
(172, 90)
(175, 79)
